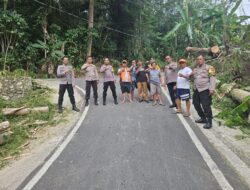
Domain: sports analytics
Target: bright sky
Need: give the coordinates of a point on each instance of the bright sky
(244, 9)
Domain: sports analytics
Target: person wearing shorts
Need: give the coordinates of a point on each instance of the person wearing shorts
(183, 87)
(155, 84)
(126, 81)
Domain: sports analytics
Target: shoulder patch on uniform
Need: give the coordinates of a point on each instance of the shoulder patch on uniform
(211, 70)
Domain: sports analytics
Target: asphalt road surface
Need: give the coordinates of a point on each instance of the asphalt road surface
(133, 146)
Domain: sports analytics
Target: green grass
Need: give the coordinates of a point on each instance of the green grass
(231, 114)
(21, 131)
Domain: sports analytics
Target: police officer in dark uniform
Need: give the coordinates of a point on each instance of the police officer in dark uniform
(204, 88)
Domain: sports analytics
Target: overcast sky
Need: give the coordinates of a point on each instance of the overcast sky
(244, 9)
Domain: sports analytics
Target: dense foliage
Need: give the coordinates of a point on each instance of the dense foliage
(131, 29)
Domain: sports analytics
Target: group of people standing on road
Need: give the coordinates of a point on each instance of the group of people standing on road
(148, 80)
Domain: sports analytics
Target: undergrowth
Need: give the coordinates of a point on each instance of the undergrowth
(233, 114)
(21, 126)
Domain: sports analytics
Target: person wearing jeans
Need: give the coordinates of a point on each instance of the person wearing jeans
(142, 79)
(171, 77)
(67, 82)
(92, 79)
(109, 80)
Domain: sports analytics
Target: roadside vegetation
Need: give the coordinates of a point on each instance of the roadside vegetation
(24, 127)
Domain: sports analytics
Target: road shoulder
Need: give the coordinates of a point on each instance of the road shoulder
(43, 144)
(235, 152)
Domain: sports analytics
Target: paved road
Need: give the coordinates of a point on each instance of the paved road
(133, 147)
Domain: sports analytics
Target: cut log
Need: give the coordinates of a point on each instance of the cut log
(40, 109)
(38, 122)
(4, 126)
(214, 50)
(11, 111)
(227, 88)
(239, 95)
(25, 111)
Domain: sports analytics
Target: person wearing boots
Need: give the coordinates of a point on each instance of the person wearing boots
(67, 81)
(204, 88)
(109, 80)
(92, 79)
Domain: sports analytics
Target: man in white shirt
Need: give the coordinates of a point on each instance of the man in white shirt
(183, 87)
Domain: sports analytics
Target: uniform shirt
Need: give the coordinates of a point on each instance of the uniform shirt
(204, 78)
(183, 83)
(108, 73)
(171, 72)
(154, 76)
(68, 78)
(91, 72)
(141, 74)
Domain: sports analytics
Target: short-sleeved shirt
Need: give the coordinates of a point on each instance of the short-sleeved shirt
(133, 74)
(183, 83)
(142, 75)
(155, 76)
(171, 72)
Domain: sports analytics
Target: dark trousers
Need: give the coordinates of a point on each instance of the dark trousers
(106, 85)
(202, 102)
(88, 86)
(62, 89)
(172, 91)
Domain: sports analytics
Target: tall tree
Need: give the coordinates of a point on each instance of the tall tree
(91, 25)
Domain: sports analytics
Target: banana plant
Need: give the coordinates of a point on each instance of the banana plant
(54, 50)
(185, 23)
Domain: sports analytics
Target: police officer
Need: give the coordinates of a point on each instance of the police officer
(204, 88)
(67, 82)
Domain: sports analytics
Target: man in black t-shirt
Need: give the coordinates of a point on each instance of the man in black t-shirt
(142, 79)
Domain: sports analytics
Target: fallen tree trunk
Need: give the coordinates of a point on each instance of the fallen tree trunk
(4, 126)
(24, 111)
(214, 49)
(237, 94)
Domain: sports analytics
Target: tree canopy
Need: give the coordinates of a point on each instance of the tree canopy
(122, 29)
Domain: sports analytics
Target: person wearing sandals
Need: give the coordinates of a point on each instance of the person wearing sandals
(183, 87)
(155, 84)
(126, 81)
